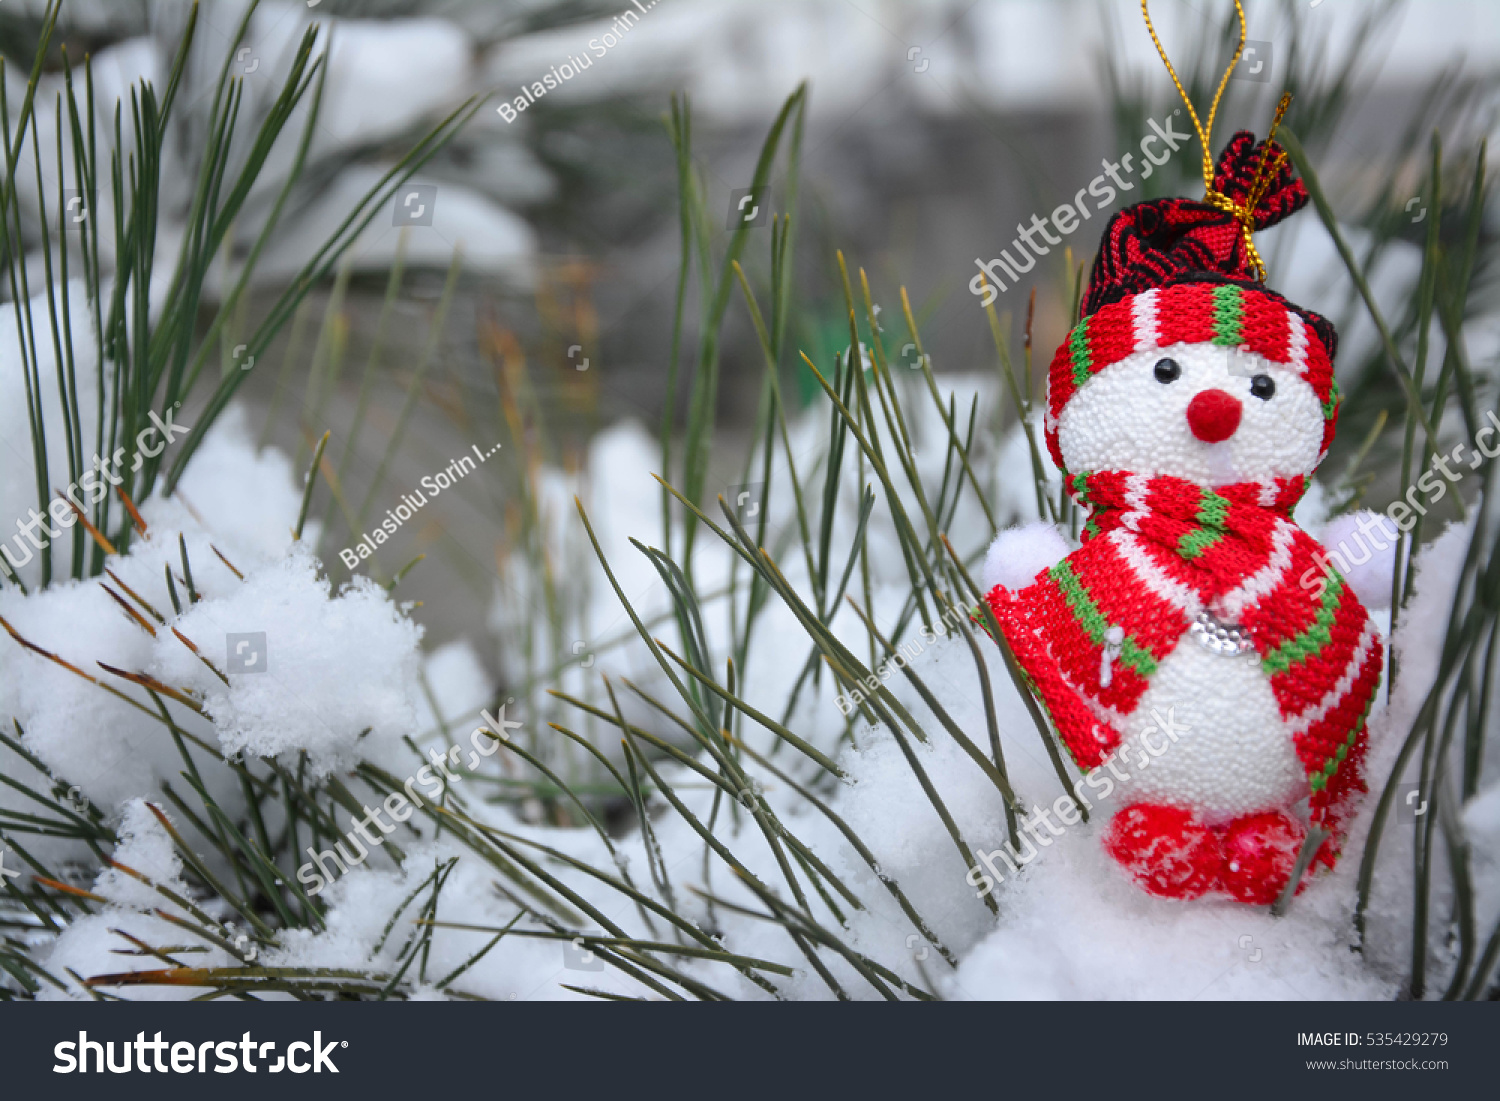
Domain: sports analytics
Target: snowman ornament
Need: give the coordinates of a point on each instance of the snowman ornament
(1188, 409)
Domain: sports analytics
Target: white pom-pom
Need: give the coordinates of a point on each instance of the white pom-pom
(1018, 554)
(1362, 547)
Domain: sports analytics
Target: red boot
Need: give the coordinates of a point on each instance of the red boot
(1166, 850)
(1260, 851)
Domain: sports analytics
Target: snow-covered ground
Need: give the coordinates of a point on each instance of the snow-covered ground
(344, 682)
(340, 677)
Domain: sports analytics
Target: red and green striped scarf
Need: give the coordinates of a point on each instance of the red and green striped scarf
(1158, 551)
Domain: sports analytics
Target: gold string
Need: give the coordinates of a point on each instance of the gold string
(1204, 133)
(1265, 172)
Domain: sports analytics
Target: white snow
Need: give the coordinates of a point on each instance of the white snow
(1018, 554)
(334, 671)
(91, 946)
(147, 848)
(1366, 554)
(343, 679)
(18, 488)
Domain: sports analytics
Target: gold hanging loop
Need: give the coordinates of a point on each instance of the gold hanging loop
(1265, 171)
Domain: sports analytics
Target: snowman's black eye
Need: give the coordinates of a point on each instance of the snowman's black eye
(1263, 387)
(1167, 370)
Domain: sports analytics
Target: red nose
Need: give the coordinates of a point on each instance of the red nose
(1213, 415)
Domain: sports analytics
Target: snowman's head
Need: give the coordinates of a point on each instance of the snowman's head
(1211, 415)
(1212, 383)
(1185, 364)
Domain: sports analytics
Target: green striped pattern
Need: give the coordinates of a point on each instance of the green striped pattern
(1213, 510)
(1229, 312)
(1080, 483)
(1081, 491)
(1318, 634)
(1319, 780)
(1092, 620)
(1331, 405)
(1078, 348)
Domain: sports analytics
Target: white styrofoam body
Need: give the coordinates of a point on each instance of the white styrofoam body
(1233, 755)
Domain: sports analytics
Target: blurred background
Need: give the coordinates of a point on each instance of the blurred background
(932, 128)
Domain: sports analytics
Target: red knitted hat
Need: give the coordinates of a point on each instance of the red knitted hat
(1174, 271)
